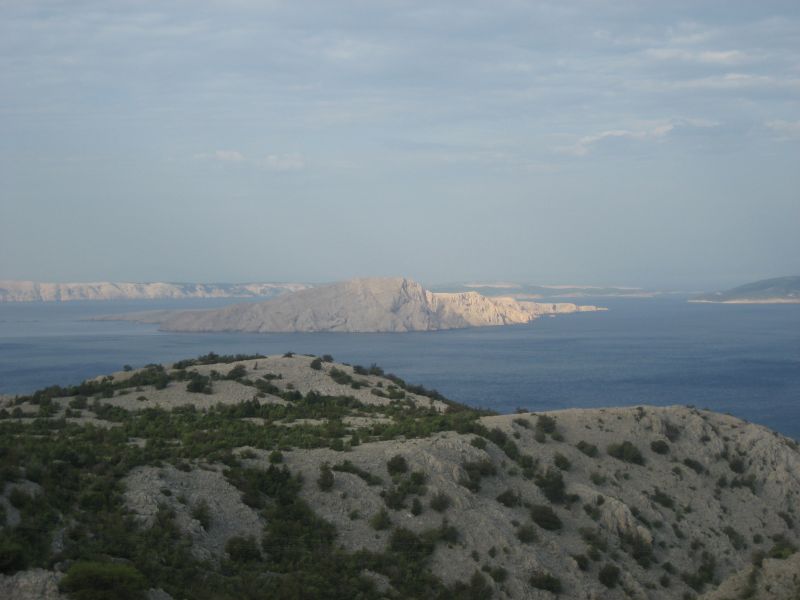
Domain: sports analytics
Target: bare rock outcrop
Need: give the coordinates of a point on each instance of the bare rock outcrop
(359, 305)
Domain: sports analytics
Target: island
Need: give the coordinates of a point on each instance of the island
(295, 476)
(32, 291)
(392, 304)
(778, 290)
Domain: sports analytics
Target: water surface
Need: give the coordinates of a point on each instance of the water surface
(742, 359)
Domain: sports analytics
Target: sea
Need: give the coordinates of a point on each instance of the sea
(739, 359)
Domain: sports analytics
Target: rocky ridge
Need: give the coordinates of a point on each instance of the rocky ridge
(427, 498)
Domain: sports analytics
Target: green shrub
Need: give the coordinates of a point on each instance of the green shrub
(508, 498)
(694, 465)
(475, 471)
(199, 384)
(588, 449)
(562, 462)
(526, 534)
(703, 575)
(659, 446)
(103, 581)
(380, 520)
(440, 502)
(545, 581)
(626, 452)
(416, 507)
(478, 442)
(609, 575)
(545, 517)
(202, 512)
(348, 467)
(663, 499)
(397, 465)
(325, 480)
(316, 364)
(545, 424)
(242, 549)
(552, 485)
(12, 556)
(236, 372)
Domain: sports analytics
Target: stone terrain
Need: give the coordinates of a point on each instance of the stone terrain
(676, 502)
(31, 291)
(359, 305)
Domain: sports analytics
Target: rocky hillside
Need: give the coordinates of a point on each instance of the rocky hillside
(778, 290)
(359, 305)
(31, 291)
(296, 477)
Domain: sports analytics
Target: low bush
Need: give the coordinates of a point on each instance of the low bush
(545, 517)
(588, 449)
(626, 452)
(659, 446)
(608, 575)
(103, 581)
(545, 581)
(440, 502)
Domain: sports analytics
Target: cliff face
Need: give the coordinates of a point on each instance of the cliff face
(363, 305)
(31, 291)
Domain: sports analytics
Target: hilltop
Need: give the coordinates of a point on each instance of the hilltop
(31, 291)
(778, 290)
(359, 305)
(297, 477)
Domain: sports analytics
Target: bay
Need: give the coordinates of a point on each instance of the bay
(741, 359)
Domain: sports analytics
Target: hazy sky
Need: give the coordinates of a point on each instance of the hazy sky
(609, 142)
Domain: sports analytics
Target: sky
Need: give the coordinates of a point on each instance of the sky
(607, 142)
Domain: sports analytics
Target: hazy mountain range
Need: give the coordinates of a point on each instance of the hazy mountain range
(31, 291)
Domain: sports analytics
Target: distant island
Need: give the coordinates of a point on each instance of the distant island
(778, 290)
(530, 291)
(32, 291)
(393, 304)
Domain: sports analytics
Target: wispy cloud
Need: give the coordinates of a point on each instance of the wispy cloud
(283, 162)
(728, 81)
(270, 162)
(649, 132)
(711, 57)
(585, 144)
(228, 156)
(785, 130)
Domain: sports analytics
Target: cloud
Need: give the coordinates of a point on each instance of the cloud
(271, 162)
(585, 144)
(786, 130)
(648, 132)
(283, 162)
(713, 57)
(228, 156)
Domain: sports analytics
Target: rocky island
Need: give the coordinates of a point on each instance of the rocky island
(292, 476)
(778, 290)
(359, 305)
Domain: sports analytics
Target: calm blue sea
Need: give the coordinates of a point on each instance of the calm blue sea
(732, 358)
